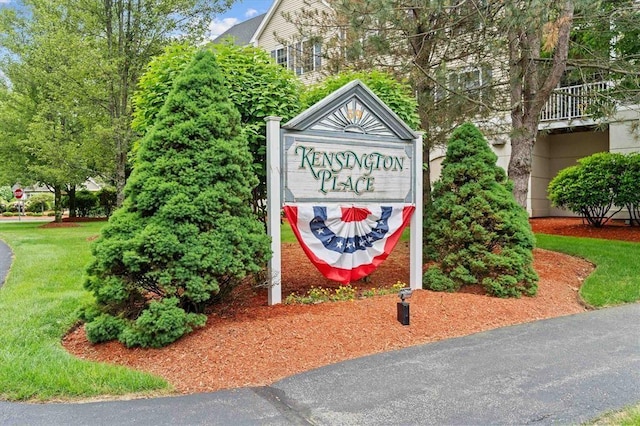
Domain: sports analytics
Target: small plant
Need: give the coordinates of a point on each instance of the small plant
(342, 293)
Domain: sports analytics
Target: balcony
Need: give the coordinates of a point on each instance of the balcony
(567, 106)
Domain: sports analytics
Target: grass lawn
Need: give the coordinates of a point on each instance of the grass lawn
(616, 279)
(37, 307)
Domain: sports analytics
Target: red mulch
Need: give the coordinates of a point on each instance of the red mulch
(252, 344)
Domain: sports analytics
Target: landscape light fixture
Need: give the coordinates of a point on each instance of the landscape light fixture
(403, 305)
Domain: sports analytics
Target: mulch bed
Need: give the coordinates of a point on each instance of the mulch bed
(251, 344)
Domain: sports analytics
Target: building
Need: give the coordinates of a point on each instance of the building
(566, 132)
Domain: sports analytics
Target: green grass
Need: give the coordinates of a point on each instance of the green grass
(629, 416)
(38, 304)
(616, 279)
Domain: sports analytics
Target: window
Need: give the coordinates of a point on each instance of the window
(280, 56)
(302, 57)
(473, 82)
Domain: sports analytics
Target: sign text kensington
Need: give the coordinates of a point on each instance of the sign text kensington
(326, 168)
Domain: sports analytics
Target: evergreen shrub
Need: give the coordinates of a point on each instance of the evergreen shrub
(39, 203)
(86, 203)
(185, 235)
(591, 187)
(476, 231)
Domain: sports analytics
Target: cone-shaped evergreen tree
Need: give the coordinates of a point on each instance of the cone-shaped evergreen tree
(477, 232)
(186, 233)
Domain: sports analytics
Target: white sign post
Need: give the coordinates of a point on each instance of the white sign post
(348, 148)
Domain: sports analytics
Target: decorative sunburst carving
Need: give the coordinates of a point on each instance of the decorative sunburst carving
(353, 117)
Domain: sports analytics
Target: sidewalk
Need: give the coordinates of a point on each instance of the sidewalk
(564, 370)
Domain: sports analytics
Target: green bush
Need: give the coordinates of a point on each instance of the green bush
(104, 328)
(39, 203)
(107, 200)
(476, 231)
(6, 194)
(590, 188)
(434, 279)
(86, 203)
(162, 323)
(396, 95)
(185, 235)
(628, 193)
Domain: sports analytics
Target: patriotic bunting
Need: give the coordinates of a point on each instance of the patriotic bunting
(347, 243)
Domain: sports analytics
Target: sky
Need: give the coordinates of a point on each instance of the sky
(240, 11)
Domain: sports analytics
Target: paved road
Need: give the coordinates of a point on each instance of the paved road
(564, 370)
(5, 261)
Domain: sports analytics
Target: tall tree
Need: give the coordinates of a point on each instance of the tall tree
(50, 126)
(416, 40)
(544, 26)
(494, 62)
(186, 235)
(120, 37)
(257, 86)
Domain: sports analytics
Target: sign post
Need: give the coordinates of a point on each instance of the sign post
(18, 193)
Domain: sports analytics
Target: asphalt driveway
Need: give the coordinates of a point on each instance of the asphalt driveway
(6, 256)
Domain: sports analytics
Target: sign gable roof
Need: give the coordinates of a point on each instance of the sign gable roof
(353, 108)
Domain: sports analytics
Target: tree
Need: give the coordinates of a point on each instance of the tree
(486, 61)
(542, 27)
(50, 130)
(256, 85)
(185, 235)
(477, 233)
(417, 41)
(119, 38)
(394, 94)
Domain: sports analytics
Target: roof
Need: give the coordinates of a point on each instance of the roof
(261, 26)
(243, 32)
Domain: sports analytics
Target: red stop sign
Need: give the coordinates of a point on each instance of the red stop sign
(18, 193)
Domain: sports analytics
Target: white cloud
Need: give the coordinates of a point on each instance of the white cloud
(218, 26)
(5, 1)
(250, 13)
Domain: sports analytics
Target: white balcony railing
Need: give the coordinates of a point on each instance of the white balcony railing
(571, 102)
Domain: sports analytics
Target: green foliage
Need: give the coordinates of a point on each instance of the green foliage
(6, 193)
(342, 293)
(596, 184)
(39, 203)
(477, 233)
(86, 202)
(256, 85)
(156, 83)
(186, 231)
(107, 200)
(396, 95)
(39, 305)
(162, 323)
(628, 191)
(434, 279)
(104, 328)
